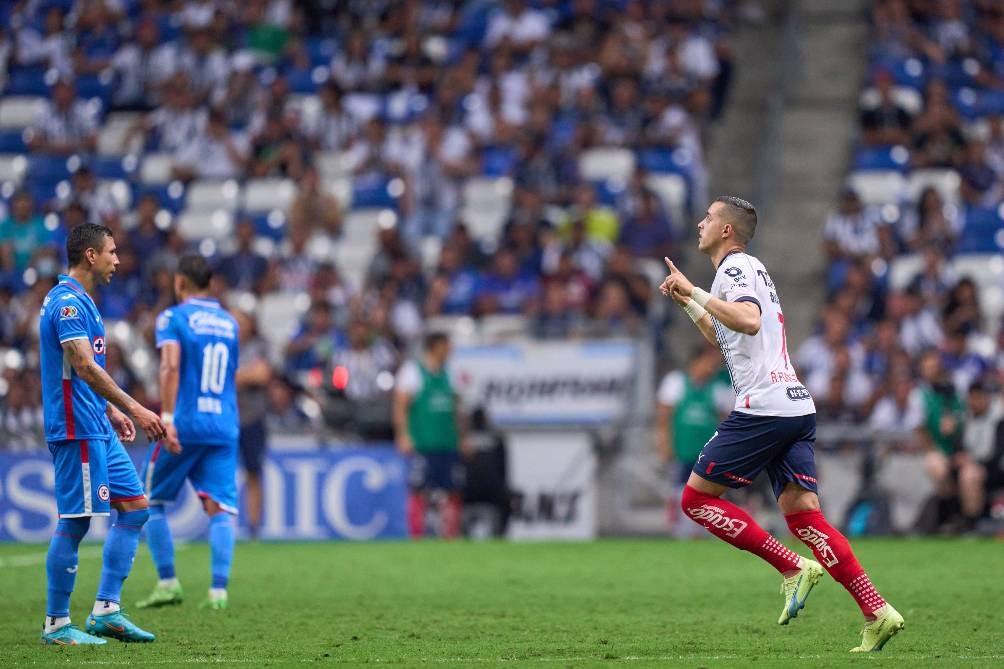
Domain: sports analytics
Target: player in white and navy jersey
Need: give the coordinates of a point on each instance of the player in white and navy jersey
(772, 428)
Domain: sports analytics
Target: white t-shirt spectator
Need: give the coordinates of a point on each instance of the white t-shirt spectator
(177, 128)
(140, 70)
(209, 159)
(888, 416)
(854, 235)
(528, 27)
(205, 72)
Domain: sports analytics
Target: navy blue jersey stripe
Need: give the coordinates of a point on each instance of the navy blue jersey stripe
(726, 353)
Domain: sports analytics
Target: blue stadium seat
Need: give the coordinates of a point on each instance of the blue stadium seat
(321, 50)
(42, 192)
(27, 81)
(881, 158)
(111, 167)
(498, 161)
(91, 86)
(274, 228)
(372, 193)
(302, 81)
(170, 196)
(12, 141)
(608, 192)
(663, 161)
(48, 169)
(983, 226)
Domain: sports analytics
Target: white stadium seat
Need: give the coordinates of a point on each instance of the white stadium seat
(672, 190)
(606, 162)
(268, 194)
(341, 190)
(12, 168)
(156, 168)
(359, 229)
(213, 195)
(279, 315)
(945, 181)
(119, 190)
(902, 269)
(907, 98)
(194, 225)
(878, 186)
(111, 137)
(333, 164)
(484, 224)
(491, 192)
(20, 111)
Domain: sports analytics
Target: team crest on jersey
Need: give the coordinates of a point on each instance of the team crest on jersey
(68, 312)
(99, 345)
(163, 320)
(103, 493)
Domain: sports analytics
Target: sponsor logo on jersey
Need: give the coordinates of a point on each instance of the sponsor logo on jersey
(99, 345)
(713, 516)
(208, 323)
(103, 493)
(814, 537)
(68, 312)
(796, 393)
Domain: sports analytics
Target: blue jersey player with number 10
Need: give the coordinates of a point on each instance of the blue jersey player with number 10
(198, 363)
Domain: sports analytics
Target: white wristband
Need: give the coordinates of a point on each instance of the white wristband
(167, 418)
(701, 296)
(694, 310)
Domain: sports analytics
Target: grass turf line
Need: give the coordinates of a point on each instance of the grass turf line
(613, 602)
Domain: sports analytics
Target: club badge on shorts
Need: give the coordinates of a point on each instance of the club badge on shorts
(103, 493)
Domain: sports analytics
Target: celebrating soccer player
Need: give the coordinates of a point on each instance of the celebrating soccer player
(772, 427)
(84, 420)
(198, 360)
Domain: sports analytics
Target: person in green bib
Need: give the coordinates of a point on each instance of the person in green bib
(689, 407)
(430, 430)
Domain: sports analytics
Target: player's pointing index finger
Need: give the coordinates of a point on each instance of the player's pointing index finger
(670, 265)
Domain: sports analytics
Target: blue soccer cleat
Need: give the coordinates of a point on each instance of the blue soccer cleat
(117, 626)
(70, 635)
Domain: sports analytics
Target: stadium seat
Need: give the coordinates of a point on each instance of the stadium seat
(484, 224)
(381, 193)
(353, 263)
(488, 192)
(113, 167)
(906, 97)
(902, 269)
(268, 194)
(111, 137)
(119, 190)
(156, 168)
(307, 81)
(498, 161)
(671, 161)
(672, 190)
(359, 229)
(341, 190)
(279, 315)
(99, 86)
(197, 225)
(878, 186)
(27, 81)
(270, 225)
(333, 164)
(321, 51)
(881, 158)
(503, 327)
(12, 168)
(170, 196)
(213, 195)
(20, 111)
(430, 249)
(945, 181)
(606, 162)
(12, 141)
(43, 168)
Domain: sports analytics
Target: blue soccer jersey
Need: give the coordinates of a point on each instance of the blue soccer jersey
(205, 413)
(73, 410)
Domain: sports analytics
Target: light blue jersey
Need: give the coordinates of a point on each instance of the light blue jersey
(206, 409)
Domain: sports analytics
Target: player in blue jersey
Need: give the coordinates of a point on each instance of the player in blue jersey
(198, 363)
(84, 420)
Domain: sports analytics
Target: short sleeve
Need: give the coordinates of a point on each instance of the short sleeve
(671, 389)
(166, 328)
(409, 378)
(71, 319)
(737, 280)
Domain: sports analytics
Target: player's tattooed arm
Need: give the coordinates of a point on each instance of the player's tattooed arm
(78, 353)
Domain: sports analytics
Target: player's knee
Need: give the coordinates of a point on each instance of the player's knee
(691, 499)
(794, 499)
(212, 507)
(74, 527)
(134, 517)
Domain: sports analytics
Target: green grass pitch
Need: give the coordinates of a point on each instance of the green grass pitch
(637, 603)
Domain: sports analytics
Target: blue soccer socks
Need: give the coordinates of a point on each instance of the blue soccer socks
(61, 564)
(221, 548)
(158, 536)
(120, 549)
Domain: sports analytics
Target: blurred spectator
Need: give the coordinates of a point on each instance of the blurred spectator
(332, 128)
(142, 67)
(852, 232)
(50, 48)
(173, 126)
(648, 232)
(314, 207)
(245, 268)
(22, 234)
(886, 122)
(21, 423)
(214, 153)
(899, 410)
(146, 234)
(454, 287)
(931, 222)
(505, 289)
(254, 374)
(204, 63)
(962, 311)
(65, 125)
(97, 200)
(368, 362)
(315, 342)
(555, 319)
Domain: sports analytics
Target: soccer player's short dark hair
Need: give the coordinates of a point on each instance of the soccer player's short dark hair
(434, 339)
(82, 237)
(742, 216)
(195, 268)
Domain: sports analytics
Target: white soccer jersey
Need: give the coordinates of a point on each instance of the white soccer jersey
(760, 365)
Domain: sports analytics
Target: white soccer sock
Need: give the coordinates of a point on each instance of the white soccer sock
(53, 624)
(103, 607)
(168, 583)
(216, 594)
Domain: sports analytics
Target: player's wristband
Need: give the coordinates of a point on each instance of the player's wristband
(167, 418)
(701, 296)
(694, 310)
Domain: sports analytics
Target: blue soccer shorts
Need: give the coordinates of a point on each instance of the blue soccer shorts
(744, 445)
(211, 469)
(91, 474)
(437, 471)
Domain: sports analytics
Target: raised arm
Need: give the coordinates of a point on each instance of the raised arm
(81, 358)
(740, 316)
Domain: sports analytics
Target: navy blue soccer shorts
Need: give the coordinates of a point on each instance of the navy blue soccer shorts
(437, 471)
(744, 445)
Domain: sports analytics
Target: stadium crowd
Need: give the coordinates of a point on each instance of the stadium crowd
(910, 340)
(384, 117)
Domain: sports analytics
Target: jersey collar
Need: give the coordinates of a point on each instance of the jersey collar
(730, 253)
(73, 284)
(203, 302)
